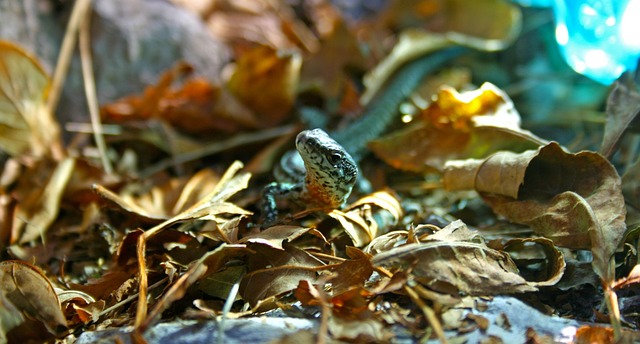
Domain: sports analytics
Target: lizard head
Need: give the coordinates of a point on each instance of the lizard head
(331, 171)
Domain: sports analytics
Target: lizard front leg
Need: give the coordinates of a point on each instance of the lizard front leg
(270, 193)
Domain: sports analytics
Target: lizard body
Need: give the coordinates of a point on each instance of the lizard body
(305, 178)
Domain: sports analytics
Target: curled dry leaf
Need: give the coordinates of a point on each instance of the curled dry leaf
(541, 256)
(573, 199)
(276, 235)
(362, 223)
(27, 125)
(472, 124)
(30, 291)
(266, 80)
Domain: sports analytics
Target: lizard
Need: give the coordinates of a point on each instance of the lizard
(330, 174)
(322, 171)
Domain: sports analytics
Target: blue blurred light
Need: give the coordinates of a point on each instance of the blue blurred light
(599, 38)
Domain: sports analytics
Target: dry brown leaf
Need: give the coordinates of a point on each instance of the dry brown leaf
(351, 317)
(455, 267)
(472, 124)
(350, 274)
(37, 211)
(219, 284)
(483, 24)
(623, 109)
(80, 307)
(631, 192)
(573, 199)
(454, 231)
(197, 106)
(368, 330)
(30, 291)
(164, 201)
(243, 24)
(26, 124)
(326, 69)
(266, 80)
(271, 271)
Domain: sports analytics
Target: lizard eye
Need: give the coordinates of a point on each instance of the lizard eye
(334, 158)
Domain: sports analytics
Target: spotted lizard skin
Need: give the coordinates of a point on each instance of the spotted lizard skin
(330, 175)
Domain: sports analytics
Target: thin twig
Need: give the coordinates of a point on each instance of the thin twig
(233, 293)
(66, 52)
(90, 90)
(611, 300)
(131, 298)
(217, 147)
(428, 313)
(141, 311)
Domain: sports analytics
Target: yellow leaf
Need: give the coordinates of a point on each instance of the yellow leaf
(26, 124)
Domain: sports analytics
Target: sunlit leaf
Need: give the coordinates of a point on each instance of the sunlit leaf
(26, 125)
(201, 196)
(473, 124)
